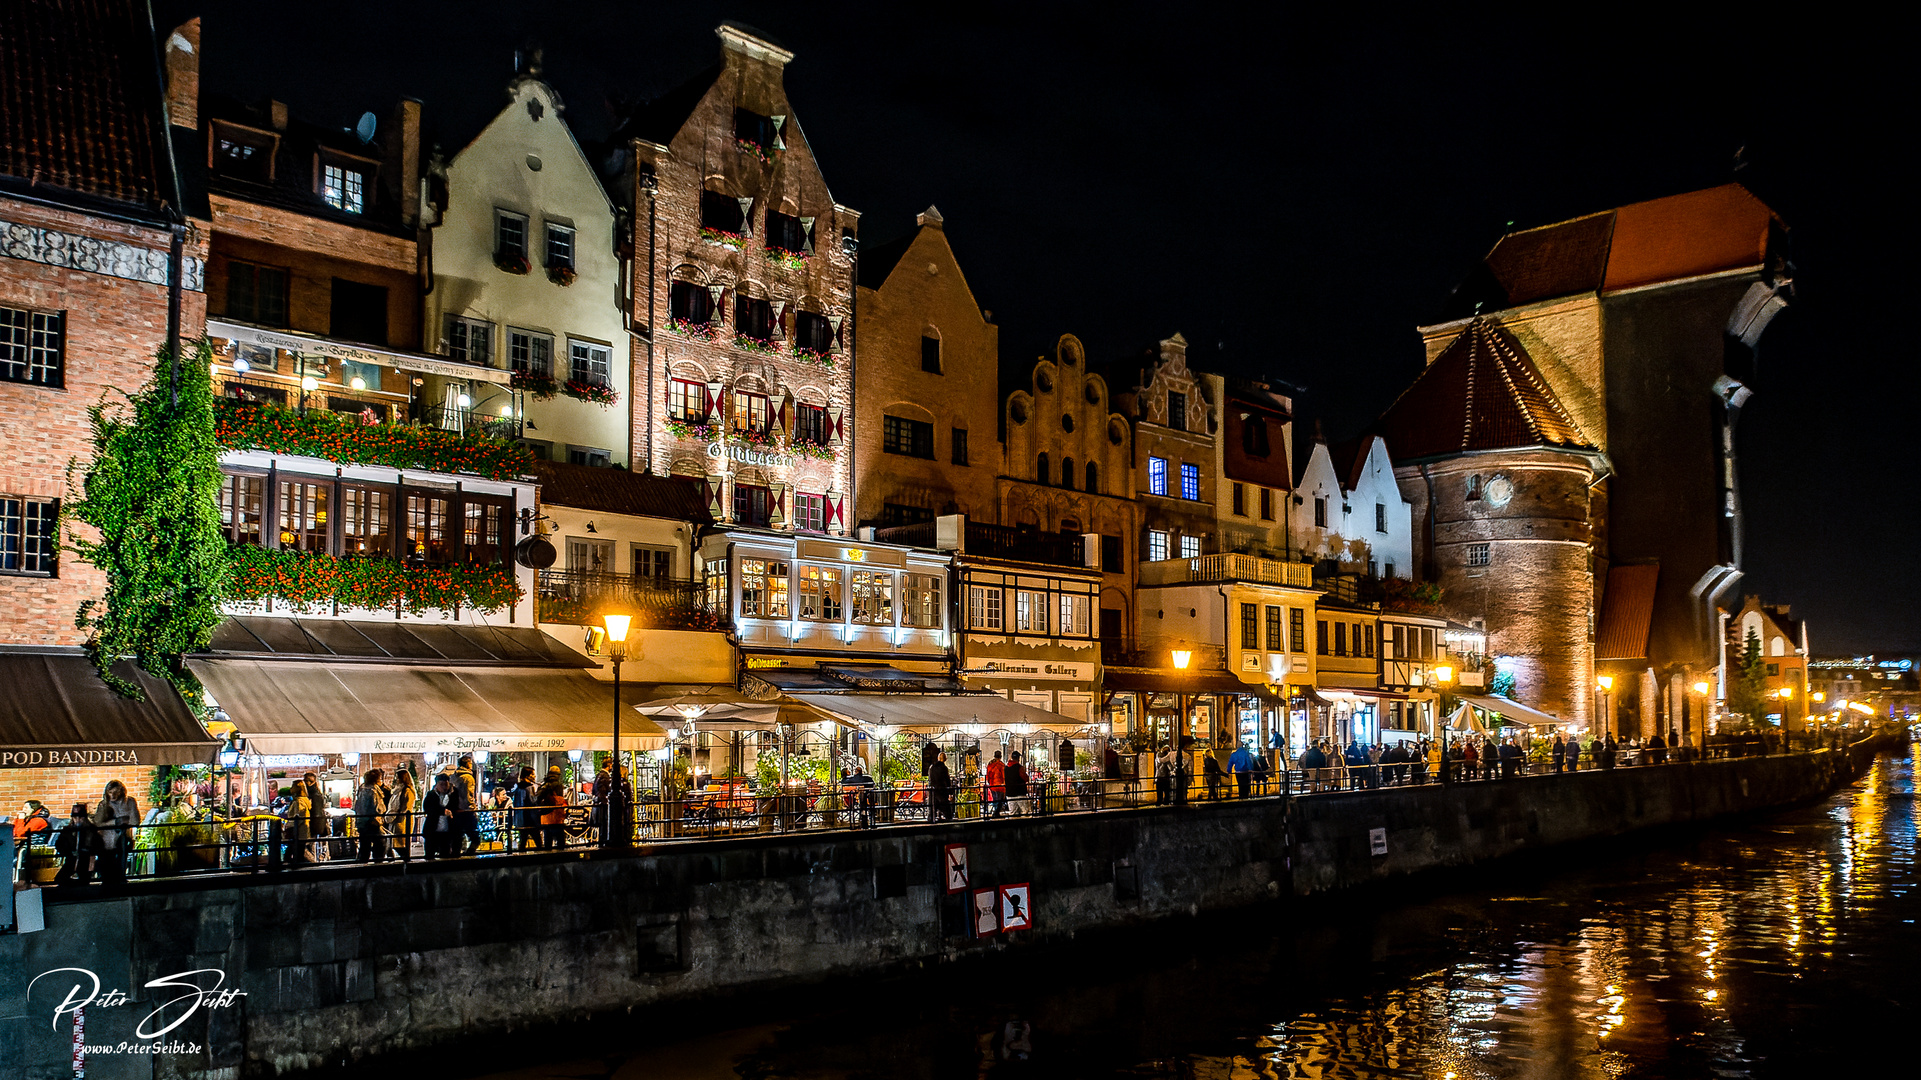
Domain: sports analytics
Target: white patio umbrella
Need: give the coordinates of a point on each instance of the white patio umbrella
(1466, 718)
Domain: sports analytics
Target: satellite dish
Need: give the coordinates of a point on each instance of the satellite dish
(365, 128)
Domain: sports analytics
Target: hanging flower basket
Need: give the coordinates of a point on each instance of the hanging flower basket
(562, 276)
(511, 261)
(703, 430)
(720, 236)
(697, 331)
(594, 393)
(749, 146)
(792, 260)
(809, 448)
(755, 345)
(814, 356)
(542, 387)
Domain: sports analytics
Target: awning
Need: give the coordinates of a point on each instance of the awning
(300, 707)
(831, 677)
(1161, 681)
(56, 712)
(1511, 710)
(312, 345)
(940, 712)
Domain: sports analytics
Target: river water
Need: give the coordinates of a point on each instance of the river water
(1784, 947)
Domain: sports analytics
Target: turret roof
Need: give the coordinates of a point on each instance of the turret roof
(1483, 392)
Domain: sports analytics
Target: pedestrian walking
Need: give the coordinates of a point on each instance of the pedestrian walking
(1469, 758)
(1016, 778)
(319, 822)
(1262, 773)
(1164, 778)
(370, 805)
(299, 826)
(1111, 763)
(526, 818)
(1557, 754)
(1241, 764)
(552, 800)
(440, 823)
(79, 841)
(1608, 751)
(997, 784)
(940, 789)
(401, 804)
(1211, 776)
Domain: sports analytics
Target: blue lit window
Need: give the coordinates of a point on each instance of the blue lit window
(1190, 481)
(1156, 476)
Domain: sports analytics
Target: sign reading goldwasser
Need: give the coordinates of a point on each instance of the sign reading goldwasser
(40, 757)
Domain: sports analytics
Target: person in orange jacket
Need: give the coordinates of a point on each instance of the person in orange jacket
(997, 783)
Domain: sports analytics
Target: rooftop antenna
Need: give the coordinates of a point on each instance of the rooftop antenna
(365, 128)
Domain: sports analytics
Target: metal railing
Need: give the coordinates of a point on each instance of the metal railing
(576, 596)
(1227, 567)
(260, 842)
(448, 418)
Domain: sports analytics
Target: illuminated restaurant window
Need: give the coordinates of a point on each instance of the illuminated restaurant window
(820, 598)
(873, 597)
(763, 589)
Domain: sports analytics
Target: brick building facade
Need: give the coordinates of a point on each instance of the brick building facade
(1174, 413)
(926, 411)
(743, 297)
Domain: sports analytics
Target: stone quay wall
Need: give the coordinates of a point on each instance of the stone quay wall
(342, 965)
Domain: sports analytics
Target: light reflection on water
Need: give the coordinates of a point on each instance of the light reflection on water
(1778, 949)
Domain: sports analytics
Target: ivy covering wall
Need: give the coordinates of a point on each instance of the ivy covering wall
(151, 497)
(347, 439)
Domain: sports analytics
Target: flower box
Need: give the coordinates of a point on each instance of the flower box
(756, 345)
(792, 260)
(696, 331)
(720, 236)
(512, 262)
(814, 356)
(562, 276)
(703, 430)
(345, 440)
(749, 146)
(309, 581)
(542, 387)
(810, 448)
(593, 393)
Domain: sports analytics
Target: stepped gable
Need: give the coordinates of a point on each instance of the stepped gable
(1482, 393)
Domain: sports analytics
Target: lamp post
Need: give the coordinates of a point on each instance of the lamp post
(1605, 684)
(616, 651)
(1181, 656)
(1443, 674)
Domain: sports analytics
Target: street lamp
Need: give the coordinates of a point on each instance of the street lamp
(1182, 657)
(1702, 688)
(1606, 684)
(1443, 674)
(616, 651)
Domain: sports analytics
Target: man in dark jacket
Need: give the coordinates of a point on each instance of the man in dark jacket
(940, 790)
(439, 817)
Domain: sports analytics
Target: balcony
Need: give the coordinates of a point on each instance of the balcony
(1351, 588)
(465, 421)
(990, 541)
(580, 597)
(1228, 567)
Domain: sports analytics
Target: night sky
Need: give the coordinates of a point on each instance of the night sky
(1294, 197)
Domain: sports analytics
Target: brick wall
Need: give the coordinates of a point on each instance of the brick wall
(61, 788)
(927, 295)
(113, 329)
(314, 253)
(703, 155)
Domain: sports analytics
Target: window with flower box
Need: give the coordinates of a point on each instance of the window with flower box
(756, 132)
(691, 303)
(810, 423)
(366, 520)
(753, 414)
(812, 332)
(560, 246)
(510, 236)
(590, 363)
(820, 598)
(530, 353)
(763, 589)
(786, 232)
(687, 401)
(28, 544)
(873, 597)
(920, 600)
(301, 512)
(243, 504)
(486, 534)
(722, 213)
(753, 318)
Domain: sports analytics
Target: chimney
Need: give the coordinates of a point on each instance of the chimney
(401, 164)
(183, 75)
(278, 111)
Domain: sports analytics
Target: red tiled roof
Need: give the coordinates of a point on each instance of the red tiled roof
(1554, 260)
(619, 491)
(1482, 393)
(80, 107)
(1627, 612)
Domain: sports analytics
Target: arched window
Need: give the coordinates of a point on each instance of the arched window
(1093, 478)
(1040, 468)
(1778, 647)
(1067, 473)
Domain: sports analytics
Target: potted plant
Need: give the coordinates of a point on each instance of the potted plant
(541, 385)
(562, 275)
(513, 262)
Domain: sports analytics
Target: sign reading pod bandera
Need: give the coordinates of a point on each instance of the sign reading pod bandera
(44, 757)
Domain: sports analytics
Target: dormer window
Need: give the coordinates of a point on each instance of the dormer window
(758, 134)
(242, 153)
(344, 188)
(1177, 410)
